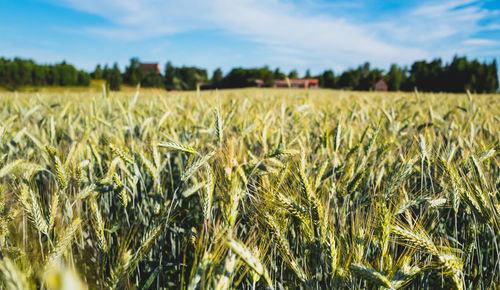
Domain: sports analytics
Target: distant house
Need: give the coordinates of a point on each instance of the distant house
(206, 86)
(258, 83)
(381, 85)
(297, 83)
(151, 67)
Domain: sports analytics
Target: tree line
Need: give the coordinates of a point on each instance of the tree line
(457, 76)
(17, 72)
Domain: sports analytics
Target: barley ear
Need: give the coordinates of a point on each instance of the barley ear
(370, 275)
(64, 242)
(250, 259)
(218, 125)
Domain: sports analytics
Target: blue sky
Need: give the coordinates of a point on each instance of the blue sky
(290, 34)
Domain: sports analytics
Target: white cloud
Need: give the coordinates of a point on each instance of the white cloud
(292, 31)
(481, 42)
(433, 24)
(283, 26)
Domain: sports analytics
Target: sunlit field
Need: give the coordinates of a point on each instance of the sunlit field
(252, 188)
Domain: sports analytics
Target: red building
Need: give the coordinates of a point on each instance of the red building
(258, 83)
(381, 86)
(151, 67)
(297, 83)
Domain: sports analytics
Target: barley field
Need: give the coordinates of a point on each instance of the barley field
(249, 189)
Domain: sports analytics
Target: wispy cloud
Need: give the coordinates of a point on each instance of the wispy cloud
(437, 10)
(294, 30)
(481, 42)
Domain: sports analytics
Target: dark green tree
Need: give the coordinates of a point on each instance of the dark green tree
(169, 76)
(106, 72)
(54, 76)
(241, 77)
(68, 74)
(40, 75)
(189, 78)
(328, 79)
(491, 77)
(293, 75)
(434, 82)
(349, 79)
(25, 71)
(153, 79)
(217, 78)
(83, 78)
(264, 74)
(114, 80)
(15, 76)
(367, 82)
(237, 78)
(395, 78)
(134, 73)
(97, 74)
(278, 75)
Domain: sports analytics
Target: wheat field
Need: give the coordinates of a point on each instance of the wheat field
(249, 189)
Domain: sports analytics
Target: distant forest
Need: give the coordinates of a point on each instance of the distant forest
(18, 72)
(457, 76)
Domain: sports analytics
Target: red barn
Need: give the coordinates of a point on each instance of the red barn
(381, 86)
(297, 83)
(151, 67)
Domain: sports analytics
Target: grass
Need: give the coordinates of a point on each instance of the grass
(252, 188)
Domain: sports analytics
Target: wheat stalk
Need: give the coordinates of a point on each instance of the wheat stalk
(177, 147)
(98, 224)
(246, 255)
(370, 275)
(64, 242)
